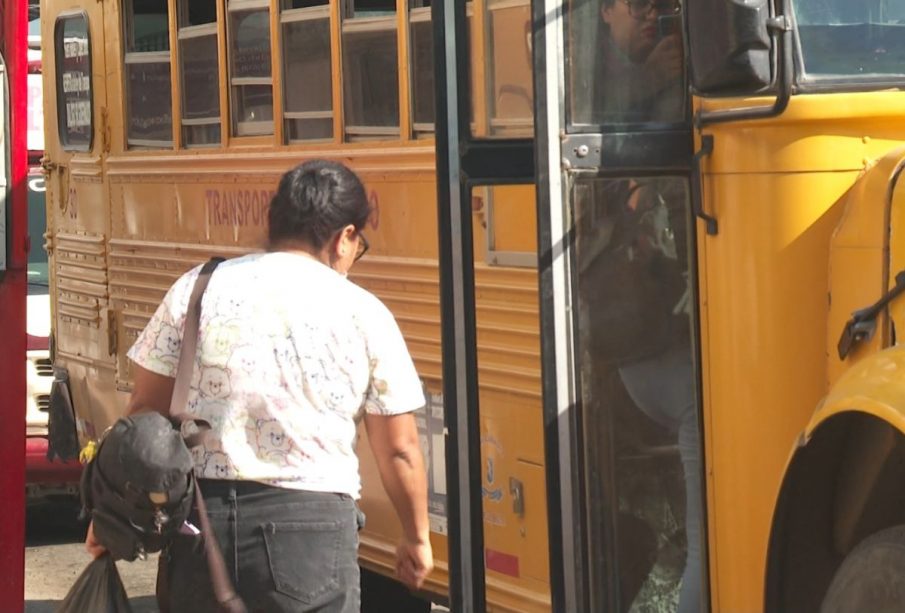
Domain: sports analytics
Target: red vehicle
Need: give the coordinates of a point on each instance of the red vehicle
(12, 301)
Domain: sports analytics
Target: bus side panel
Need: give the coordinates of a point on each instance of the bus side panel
(78, 227)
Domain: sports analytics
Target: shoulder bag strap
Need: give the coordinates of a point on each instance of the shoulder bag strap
(190, 342)
(224, 592)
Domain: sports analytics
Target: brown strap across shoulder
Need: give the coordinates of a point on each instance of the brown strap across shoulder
(190, 341)
(224, 592)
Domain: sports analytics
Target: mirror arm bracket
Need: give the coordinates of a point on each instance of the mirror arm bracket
(781, 29)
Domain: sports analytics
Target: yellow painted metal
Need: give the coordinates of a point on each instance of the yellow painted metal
(897, 256)
(861, 245)
(875, 385)
(793, 199)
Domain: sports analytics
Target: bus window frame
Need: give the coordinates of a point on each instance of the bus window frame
(190, 32)
(65, 145)
(296, 15)
(373, 23)
(418, 14)
(253, 132)
(803, 84)
(851, 83)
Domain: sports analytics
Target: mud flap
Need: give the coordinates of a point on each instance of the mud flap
(62, 436)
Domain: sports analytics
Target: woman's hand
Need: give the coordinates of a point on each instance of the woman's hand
(94, 549)
(414, 562)
(663, 66)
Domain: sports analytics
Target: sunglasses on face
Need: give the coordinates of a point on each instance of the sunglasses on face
(639, 9)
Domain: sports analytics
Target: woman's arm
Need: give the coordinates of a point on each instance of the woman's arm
(150, 392)
(394, 441)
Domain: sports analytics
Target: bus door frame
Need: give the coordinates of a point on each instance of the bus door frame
(564, 153)
(463, 163)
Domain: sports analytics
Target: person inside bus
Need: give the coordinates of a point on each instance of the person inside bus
(637, 311)
(291, 356)
(640, 63)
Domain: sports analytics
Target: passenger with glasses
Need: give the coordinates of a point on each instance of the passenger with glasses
(642, 58)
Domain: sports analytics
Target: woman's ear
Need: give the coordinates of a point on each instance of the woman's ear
(345, 243)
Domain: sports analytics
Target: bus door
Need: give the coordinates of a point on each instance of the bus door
(619, 321)
(495, 480)
(76, 142)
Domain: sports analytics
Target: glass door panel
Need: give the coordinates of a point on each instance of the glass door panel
(637, 377)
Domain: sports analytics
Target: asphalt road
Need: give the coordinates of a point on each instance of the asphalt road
(55, 557)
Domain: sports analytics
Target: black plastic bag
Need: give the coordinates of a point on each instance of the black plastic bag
(99, 589)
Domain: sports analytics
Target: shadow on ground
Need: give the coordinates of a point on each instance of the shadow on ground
(55, 557)
(145, 604)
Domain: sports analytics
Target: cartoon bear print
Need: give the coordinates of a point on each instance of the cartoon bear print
(217, 465)
(214, 382)
(271, 435)
(273, 444)
(167, 345)
(218, 341)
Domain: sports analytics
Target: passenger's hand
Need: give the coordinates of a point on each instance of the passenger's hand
(664, 64)
(94, 549)
(414, 562)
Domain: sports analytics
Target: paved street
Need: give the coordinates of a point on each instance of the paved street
(55, 556)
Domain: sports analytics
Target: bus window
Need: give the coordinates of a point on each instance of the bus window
(504, 218)
(640, 418)
(73, 76)
(844, 39)
(250, 74)
(626, 62)
(370, 69)
(307, 70)
(198, 59)
(422, 62)
(147, 59)
(509, 57)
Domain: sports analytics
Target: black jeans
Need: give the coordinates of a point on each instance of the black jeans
(285, 550)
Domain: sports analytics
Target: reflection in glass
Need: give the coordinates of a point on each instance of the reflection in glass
(250, 70)
(841, 38)
(638, 390)
(73, 57)
(370, 76)
(250, 44)
(197, 12)
(509, 43)
(147, 26)
(200, 72)
(626, 61)
(307, 77)
(150, 110)
(422, 70)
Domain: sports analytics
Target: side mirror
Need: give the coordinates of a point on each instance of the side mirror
(731, 51)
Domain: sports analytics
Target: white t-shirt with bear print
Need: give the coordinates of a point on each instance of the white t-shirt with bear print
(290, 355)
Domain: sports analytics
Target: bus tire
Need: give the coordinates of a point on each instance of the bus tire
(380, 594)
(871, 577)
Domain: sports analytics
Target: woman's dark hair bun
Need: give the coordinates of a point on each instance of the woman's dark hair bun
(315, 200)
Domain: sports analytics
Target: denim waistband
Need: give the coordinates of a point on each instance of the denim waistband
(226, 487)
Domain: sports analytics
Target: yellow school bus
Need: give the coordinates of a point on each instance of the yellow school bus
(169, 125)
(645, 253)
